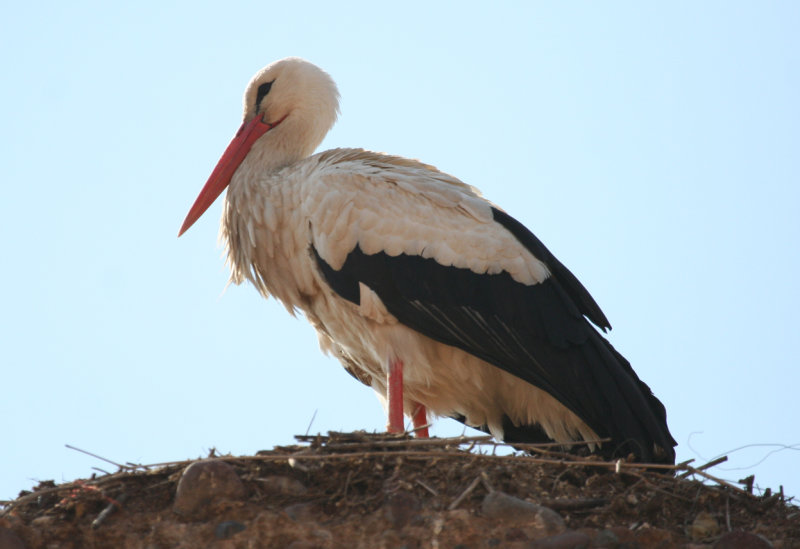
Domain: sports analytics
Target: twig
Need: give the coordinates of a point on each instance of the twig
(364, 446)
(716, 479)
(347, 483)
(703, 467)
(292, 461)
(420, 428)
(748, 483)
(378, 441)
(45, 491)
(537, 445)
(574, 504)
(331, 442)
(728, 513)
(660, 490)
(485, 482)
(633, 467)
(428, 488)
(310, 423)
(105, 513)
(159, 484)
(121, 466)
(464, 494)
(416, 454)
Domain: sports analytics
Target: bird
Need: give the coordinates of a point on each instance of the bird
(424, 290)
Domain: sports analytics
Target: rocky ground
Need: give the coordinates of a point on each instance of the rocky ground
(360, 490)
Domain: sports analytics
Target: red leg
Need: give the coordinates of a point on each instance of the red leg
(421, 421)
(395, 396)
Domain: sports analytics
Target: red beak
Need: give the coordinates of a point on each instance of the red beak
(221, 176)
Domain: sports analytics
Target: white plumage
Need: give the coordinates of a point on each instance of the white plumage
(355, 239)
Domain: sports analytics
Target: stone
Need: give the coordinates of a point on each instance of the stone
(516, 534)
(655, 537)
(569, 539)
(518, 512)
(227, 529)
(742, 540)
(169, 533)
(301, 544)
(401, 508)
(10, 540)
(282, 485)
(320, 538)
(461, 515)
(606, 538)
(302, 512)
(390, 538)
(44, 522)
(705, 526)
(204, 483)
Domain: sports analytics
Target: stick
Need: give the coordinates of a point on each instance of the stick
(347, 483)
(464, 494)
(485, 481)
(105, 513)
(331, 442)
(728, 513)
(99, 457)
(574, 504)
(311, 422)
(715, 479)
(428, 488)
(708, 465)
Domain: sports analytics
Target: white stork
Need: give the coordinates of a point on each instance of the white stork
(435, 297)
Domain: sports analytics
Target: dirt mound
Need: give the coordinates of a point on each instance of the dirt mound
(362, 490)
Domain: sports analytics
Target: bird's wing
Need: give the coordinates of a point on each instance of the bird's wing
(449, 265)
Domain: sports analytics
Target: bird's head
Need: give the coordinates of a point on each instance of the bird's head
(289, 106)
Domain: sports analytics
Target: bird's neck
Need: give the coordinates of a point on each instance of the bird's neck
(269, 159)
(294, 139)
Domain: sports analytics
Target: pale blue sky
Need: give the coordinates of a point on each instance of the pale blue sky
(654, 149)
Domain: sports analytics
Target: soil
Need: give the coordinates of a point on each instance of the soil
(367, 490)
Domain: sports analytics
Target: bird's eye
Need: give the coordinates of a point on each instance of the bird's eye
(263, 90)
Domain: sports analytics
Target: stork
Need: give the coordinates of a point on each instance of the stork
(435, 297)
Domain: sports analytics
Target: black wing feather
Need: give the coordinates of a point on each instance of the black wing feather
(571, 284)
(537, 333)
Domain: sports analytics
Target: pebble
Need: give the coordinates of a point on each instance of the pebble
(705, 526)
(10, 540)
(655, 537)
(606, 538)
(205, 482)
(44, 522)
(565, 540)
(227, 529)
(501, 506)
(282, 485)
(301, 544)
(302, 512)
(742, 540)
(401, 508)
